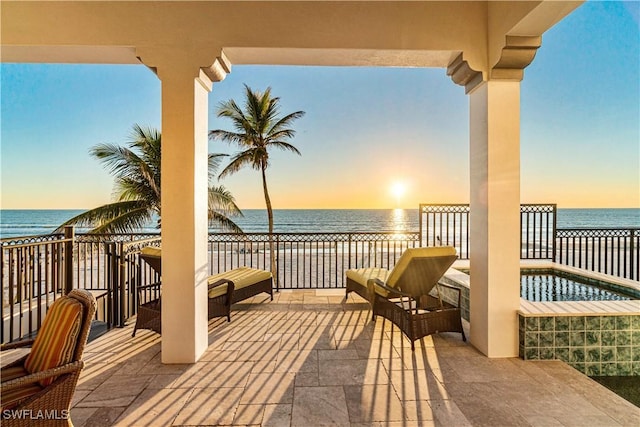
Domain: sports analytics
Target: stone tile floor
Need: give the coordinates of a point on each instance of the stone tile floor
(310, 358)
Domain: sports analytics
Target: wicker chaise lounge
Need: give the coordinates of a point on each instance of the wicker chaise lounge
(404, 295)
(224, 289)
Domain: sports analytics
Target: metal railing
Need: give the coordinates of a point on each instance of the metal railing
(614, 251)
(309, 260)
(448, 225)
(34, 273)
(37, 270)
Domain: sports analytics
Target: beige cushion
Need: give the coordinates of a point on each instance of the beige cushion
(363, 275)
(151, 250)
(409, 254)
(241, 277)
(391, 277)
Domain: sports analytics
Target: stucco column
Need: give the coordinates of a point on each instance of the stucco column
(184, 213)
(495, 217)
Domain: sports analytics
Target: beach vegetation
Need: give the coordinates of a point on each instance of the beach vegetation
(136, 167)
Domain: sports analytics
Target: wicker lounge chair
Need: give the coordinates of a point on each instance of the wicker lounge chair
(224, 289)
(404, 295)
(43, 382)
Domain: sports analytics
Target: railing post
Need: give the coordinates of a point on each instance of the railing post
(420, 223)
(349, 250)
(112, 282)
(555, 230)
(121, 282)
(69, 235)
(633, 274)
(277, 266)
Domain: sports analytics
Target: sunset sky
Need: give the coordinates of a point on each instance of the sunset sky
(371, 137)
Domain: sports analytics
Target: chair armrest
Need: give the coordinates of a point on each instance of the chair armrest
(154, 287)
(39, 376)
(220, 282)
(393, 292)
(230, 286)
(17, 344)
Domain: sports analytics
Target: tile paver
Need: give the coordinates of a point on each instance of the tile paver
(309, 358)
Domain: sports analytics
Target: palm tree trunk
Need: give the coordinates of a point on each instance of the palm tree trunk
(267, 200)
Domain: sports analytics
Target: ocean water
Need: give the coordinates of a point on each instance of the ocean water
(18, 223)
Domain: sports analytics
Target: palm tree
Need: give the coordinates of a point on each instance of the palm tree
(258, 128)
(137, 188)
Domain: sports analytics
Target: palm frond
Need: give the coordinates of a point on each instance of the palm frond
(221, 199)
(282, 145)
(282, 123)
(216, 219)
(238, 161)
(112, 218)
(137, 185)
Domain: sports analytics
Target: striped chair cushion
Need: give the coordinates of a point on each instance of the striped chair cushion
(10, 398)
(56, 341)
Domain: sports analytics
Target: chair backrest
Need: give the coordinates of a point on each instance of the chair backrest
(419, 269)
(63, 334)
(152, 255)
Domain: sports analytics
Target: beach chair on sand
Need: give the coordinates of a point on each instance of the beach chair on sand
(224, 290)
(404, 295)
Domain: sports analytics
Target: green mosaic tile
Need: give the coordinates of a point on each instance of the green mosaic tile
(608, 323)
(532, 324)
(531, 339)
(623, 368)
(635, 322)
(547, 353)
(577, 323)
(546, 339)
(531, 354)
(592, 338)
(562, 353)
(547, 324)
(623, 322)
(576, 339)
(635, 368)
(562, 323)
(521, 352)
(607, 354)
(521, 338)
(521, 323)
(635, 338)
(609, 369)
(592, 369)
(562, 339)
(623, 354)
(608, 338)
(623, 337)
(593, 323)
(593, 355)
(576, 355)
(635, 353)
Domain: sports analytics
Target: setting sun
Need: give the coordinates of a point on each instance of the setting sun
(398, 189)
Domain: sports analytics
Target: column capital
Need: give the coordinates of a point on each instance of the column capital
(517, 54)
(462, 74)
(170, 62)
